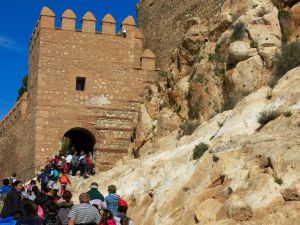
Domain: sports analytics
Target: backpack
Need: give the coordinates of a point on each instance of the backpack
(40, 212)
(122, 202)
(55, 174)
(110, 222)
(83, 161)
(63, 180)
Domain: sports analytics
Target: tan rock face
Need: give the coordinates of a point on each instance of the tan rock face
(248, 76)
(144, 127)
(294, 22)
(239, 51)
(252, 178)
(167, 122)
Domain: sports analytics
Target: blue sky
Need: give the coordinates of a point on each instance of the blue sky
(17, 20)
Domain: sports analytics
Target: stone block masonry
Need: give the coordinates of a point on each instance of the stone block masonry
(162, 22)
(84, 80)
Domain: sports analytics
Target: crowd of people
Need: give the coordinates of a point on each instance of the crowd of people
(74, 162)
(52, 202)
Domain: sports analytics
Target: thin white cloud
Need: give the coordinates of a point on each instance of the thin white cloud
(9, 44)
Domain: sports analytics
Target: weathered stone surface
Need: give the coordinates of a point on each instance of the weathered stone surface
(249, 75)
(240, 50)
(144, 127)
(294, 22)
(167, 122)
(237, 209)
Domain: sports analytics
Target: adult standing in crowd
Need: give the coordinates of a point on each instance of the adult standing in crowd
(96, 198)
(84, 213)
(12, 202)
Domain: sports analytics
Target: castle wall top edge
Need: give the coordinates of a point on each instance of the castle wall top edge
(14, 108)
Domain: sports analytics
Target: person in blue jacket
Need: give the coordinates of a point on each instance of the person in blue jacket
(4, 189)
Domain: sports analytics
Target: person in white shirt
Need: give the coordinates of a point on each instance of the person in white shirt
(68, 161)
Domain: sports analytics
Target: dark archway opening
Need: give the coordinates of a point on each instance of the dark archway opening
(78, 139)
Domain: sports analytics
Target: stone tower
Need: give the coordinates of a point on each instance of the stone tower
(85, 85)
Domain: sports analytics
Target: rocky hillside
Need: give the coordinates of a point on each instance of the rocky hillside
(218, 138)
(218, 63)
(248, 175)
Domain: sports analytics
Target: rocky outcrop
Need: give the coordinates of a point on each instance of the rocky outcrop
(247, 176)
(221, 60)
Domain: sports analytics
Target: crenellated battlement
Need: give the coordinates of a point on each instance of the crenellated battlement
(47, 20)
(69, 20)
(18, 111)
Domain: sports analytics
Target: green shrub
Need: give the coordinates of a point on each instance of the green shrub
(163, 74)
(199, 150)
(288, 113)
(266, 116)
(133, 135)
(187, 128)
(286, 61)
(286, 33)
(23, 87)
(239, 30)
(283, 14)
(215, 58)
(218, 47)
(278, 180)
(219, 71)
(220, 124)
(253, 44)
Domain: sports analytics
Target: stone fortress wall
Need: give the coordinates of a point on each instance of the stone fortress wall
(116, 71)
(162, 22)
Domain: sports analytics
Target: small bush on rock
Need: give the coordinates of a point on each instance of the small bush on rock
(253, 44)
(199, 150)
(215, 58)
(287, 60)
(187, 128)
(239, 30)
(278, 180)
(287, 113)
(219, 71)
(266, 116)
(163, 74)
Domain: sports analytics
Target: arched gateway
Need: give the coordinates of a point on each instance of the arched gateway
(79, 139)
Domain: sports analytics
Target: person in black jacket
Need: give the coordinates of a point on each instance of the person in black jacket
(45, 200)
(12, 201)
